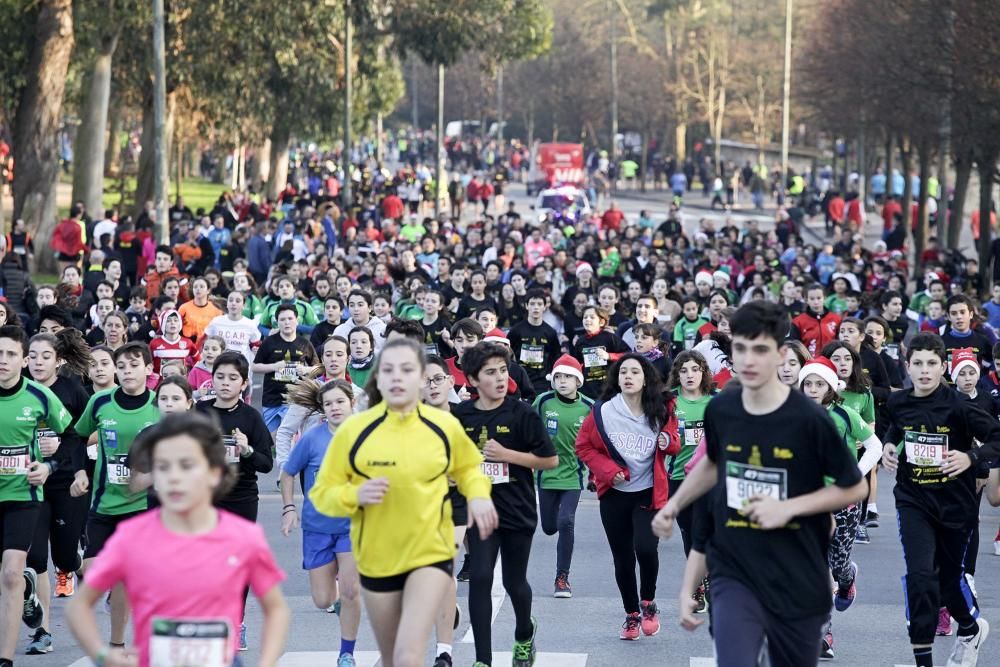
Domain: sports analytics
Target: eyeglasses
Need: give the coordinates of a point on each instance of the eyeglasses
(436, 381)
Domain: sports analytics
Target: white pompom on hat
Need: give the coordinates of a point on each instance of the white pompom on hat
(568, 365)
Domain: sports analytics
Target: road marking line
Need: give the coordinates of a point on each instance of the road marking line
(498, 594)
(702, 662)
(547, 659)
(325, 659)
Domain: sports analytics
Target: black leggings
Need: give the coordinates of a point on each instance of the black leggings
(557, 510)
(60, 524)
(627, 518)
(514, 546)
(972, 553)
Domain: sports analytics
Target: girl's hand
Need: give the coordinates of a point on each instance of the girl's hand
(890, 459)
(121, 657)
(372, 491)
(80, 484)
(289, 521)
(483, 514)
(242, 442)
(618, 478)
(49, 445)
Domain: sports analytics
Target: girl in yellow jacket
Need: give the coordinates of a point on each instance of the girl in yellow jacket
(388, 468)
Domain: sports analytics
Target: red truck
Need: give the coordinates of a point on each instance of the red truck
(555, 165)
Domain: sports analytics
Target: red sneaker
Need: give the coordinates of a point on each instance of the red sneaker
(630, 628)
(944, 623)
(650, 618)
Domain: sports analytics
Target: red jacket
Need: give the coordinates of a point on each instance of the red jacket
(67, 238)
(815, 331)
(602, 458)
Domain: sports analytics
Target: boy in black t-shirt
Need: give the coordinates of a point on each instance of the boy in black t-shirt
(931, 445)
(282, 357)
(961, 312)
(769, 454)
(514, 442)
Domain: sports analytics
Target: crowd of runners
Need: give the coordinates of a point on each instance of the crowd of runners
(431, 389)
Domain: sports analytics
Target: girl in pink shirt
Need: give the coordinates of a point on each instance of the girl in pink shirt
(207, 555)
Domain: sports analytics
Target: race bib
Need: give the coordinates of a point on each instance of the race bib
(180, 643)
(431, 348)
(118, 471)
(926, 450)
(694, 431)
(743, 482)
(232, 449)
(532, 355)
(290, 373)
(499, 473)
(14, 460)
(591, 357)
(892, 349)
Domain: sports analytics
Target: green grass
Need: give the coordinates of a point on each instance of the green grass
(197, 192)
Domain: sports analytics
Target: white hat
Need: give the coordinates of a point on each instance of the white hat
(703, 277)
(569, 366)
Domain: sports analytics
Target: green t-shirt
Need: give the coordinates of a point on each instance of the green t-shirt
(690, 428)
(116, 429)
(851, 427)
(253, 307)
(686, 331)
(359, 376)
(29, 409)
(563, 420)
(307, 315)
(835, 304)
(863, 403)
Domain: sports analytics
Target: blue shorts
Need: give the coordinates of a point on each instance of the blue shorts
(319, 549)
(273, 416)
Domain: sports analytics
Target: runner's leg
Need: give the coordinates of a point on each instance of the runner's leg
(567, 529)
(425, 588)
(922, 594)
(614, 506)
(444, 629)
(350, 596)
(484, 558)
(515, 548)
(384, 611)
(323, 585)
(738, 624)
(645, 544)
(955, 592)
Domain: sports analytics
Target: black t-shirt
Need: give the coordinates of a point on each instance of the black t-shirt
(928, 427)
(72, 453)
(536, 350)
(785, 453)
(274, 349)
(975, 339)
(433, 343)
(468, 304)
(245, 418)
(515, 426)
(321, 332)
(595, 369)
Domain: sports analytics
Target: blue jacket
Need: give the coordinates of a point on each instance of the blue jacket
(258, 257)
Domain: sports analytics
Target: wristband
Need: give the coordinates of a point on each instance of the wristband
(289, 510)
(288, 505)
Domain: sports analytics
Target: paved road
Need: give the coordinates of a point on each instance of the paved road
(583, 630)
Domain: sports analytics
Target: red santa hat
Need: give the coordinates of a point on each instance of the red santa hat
(496, 336)
(960, 358)
(825, 369)
(568, 365)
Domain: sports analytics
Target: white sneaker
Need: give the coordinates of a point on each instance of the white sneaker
(966, 650)
(996, 547)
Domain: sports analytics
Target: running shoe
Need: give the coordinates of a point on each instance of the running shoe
(562, 587)
(243, 637)
(826, 650)
(630, 628)
(458, 617)
(845, 595)
(862, 536)
(479, 664)
(334, 608)
(463, 573)
(65, 584)
(346, 660)
(443, 660)
(996, 547)
(524, 651)
(944, 623)
(966, 650)
(650, 618)
(701, 599)
(32, 614)
(872, 520)
(41, 643)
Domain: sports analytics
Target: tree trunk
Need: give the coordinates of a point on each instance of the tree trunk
(39, 119)
(88, 167)
(906, 157)
(262, 164)
(147, 163)
(963, 172)
(113, 152)
(888, 165)
(920, 235)
(643, 159)
(680, 139)
(281, 137)
(987, 170)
